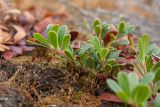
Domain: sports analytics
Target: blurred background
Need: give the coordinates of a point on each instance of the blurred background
(145, 14)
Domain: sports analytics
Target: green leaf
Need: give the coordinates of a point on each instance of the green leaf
(111, 61)
(141, 93)
(121, 43)
(114, 86)
(103, 53)
(53, 39)
(133, 80)
(114, 55)
(118, 90)
(108, 67)
(156, 102)
(84, 48)
(157, 76)
(98, 30)
(141, 52)
(156, 67)
(143, 45)
(40, 38)
(49, 27)
(52, 27)
(55, 28)
(147, 78)
(105, 29)
(121, 26)
(124, 82)
(123, 96)
(61, 33)
(69, 55)
(96, 43)
(129, 28)
(66, 41)
(33, 43)
(96, 22)
(153, 50)
(90, 62)
(145, 41)
(149, 63)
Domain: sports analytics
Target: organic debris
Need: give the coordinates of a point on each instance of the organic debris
(17, 26)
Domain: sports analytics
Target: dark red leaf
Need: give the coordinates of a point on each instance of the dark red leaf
(107, 37)
(74, 35)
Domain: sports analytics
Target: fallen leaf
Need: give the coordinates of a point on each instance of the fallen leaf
(16, 49)
(22, 42)
(27, 48)
(9, 54)
(110, 97)
(6, 37)
(26, 17)
(39, 27)
(13, 11)
(4, 28)
(20, 33)
(3, 47)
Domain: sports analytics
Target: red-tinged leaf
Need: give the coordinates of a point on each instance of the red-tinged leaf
(101, 76)
(107, 37)
(20, 33)
(27, 48)
(16, 49)
(9, 54)
(113, 28)
(120, 47)
(74, 35)
(110, 97)
(127, 61)
(75, 46)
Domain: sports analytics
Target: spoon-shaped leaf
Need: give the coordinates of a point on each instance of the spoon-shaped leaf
(40, 38)
(121, 26)
(69, 55)
(133, 80)
(61, 33)
(141, 93)
(124, 82)
(53, 39)
(148, 78)
(98, 30)
(66, 41)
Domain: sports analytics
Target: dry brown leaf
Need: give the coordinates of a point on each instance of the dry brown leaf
(6, 37)
(3, 47)
(29, 17)
(13, 11)
(20, 33)
(1, 37)
(4, 28)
